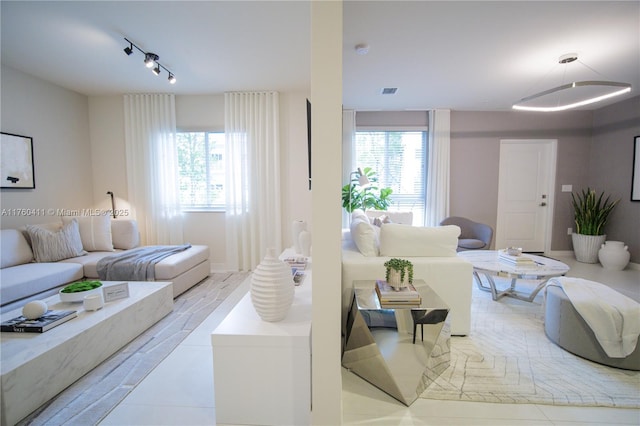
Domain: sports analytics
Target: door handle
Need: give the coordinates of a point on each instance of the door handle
(543, 204)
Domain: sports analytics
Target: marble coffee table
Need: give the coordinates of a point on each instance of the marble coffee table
(36, 367)
(487, 263)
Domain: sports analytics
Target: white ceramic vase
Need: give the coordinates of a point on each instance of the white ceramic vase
(272, 288)
(395, 279)
(296, 228)
(304, 239)
(585, 247)
(614, 255)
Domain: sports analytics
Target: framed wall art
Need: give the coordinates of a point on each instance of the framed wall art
(16, 161)
(635, 173)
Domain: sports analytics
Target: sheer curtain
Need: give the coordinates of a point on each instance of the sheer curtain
(253, 214)
(348, 141)
(438, 169)
(152, 168)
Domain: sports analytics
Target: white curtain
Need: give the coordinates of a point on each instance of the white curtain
(348, 143)
(438, 169)
(152, 166)
(253, 214)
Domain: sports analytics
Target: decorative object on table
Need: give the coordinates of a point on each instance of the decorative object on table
(272, 288)
(399, 273)
(38, 325)
(388, 296)
(514, 251)
(34, 309)
(591, 212)
(296, 228)
(115, 291)
(93, 302)
(76, 291)
(16, 161)
(362, 192)
(614, 255)
(304, 240)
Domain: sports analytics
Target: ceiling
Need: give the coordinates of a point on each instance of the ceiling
(473, 55)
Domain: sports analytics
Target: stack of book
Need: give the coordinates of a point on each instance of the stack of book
(516, 261)
(39, 325)
(407, 296)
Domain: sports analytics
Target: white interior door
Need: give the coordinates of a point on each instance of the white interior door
(525, 194)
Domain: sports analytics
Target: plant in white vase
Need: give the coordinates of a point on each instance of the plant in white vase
(399, 273)
(591, 214)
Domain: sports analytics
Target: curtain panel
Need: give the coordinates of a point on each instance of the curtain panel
(438, 169)
(253, 210)
(152, 167)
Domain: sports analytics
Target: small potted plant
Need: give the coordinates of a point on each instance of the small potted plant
(399, 273)
(591, 214)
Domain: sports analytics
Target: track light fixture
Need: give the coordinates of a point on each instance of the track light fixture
(150, 61)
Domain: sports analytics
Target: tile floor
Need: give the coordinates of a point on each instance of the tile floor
(180, 390)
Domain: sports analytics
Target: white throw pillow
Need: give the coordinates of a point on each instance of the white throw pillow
(417, 241)
(51, 246)
(125, 234)
(365, 236)
(14, 248)
(95, 232)
(359, 214)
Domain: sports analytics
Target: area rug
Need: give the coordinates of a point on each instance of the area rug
(507, 358)
(92, 397)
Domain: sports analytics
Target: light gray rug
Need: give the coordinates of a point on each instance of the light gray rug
(92, 397)
(507, 358)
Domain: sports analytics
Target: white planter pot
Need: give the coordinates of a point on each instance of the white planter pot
(614, 255)
(395, 280)
(296, 228)
(272, 288)
(585, 247)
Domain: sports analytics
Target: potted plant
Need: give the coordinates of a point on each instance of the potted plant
(356, 196)
(591, 214)
(399, 273)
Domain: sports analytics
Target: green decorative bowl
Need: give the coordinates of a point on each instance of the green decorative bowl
(76, 292)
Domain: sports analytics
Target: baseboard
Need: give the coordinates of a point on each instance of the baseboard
(219, 267)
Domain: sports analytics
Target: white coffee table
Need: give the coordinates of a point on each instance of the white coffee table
(36, 367)
(486, 262)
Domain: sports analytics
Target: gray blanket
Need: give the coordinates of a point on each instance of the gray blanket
(136, 264)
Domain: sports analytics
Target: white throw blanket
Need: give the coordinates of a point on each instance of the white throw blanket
(613, 317)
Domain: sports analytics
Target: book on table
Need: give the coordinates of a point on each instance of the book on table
(405, 296)
(39, 325)
(520, 260)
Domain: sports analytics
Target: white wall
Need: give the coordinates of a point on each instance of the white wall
(58, 122)
(197, 113)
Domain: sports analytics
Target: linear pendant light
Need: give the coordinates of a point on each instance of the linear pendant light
(548, 103)
(150, 59)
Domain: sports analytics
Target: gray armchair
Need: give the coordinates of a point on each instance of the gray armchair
(473, 235)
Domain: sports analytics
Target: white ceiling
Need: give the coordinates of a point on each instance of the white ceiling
(474, 55)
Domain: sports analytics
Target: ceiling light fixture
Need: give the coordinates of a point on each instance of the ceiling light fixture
(577, 93)
(150, 61)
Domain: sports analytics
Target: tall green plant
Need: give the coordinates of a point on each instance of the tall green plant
(370, 197)
(591, 211)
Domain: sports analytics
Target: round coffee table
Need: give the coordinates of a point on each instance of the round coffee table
(488, 263)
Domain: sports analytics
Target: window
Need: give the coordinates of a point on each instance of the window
(201, 164)
(399, 158)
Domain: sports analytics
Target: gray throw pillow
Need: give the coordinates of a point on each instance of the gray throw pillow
(51, 246)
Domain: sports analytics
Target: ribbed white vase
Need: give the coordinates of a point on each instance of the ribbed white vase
(585, 247)
(272, 288)
(296, 228)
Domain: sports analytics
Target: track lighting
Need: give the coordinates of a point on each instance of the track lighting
(150, 61)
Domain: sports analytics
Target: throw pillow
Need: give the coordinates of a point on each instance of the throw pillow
(359, 214)
(49, 246)
(406, 240)
(95, 231)
(380, 220)
(125, 234)
(365, 237)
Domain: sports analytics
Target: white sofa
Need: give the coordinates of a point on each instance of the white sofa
(432, 250)
(37, 261)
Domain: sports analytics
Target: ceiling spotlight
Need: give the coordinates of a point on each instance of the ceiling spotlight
(156, 70)
(129, 50)
(172, 78)
(150, 59)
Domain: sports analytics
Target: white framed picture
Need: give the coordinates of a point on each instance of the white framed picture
(16, 164)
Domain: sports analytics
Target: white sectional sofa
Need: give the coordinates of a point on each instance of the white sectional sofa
(33, 267)
(432, 250)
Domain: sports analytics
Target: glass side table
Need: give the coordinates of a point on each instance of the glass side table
(381, 344)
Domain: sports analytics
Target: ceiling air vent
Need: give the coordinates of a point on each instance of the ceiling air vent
(389, 90)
